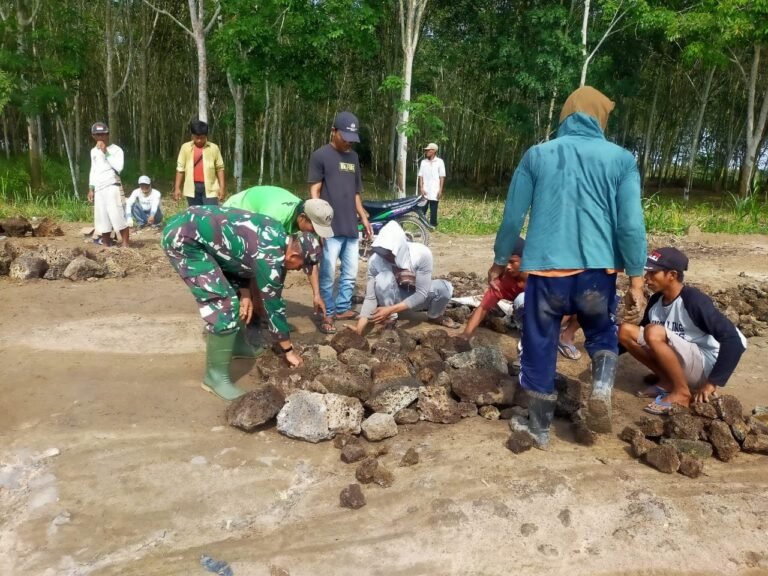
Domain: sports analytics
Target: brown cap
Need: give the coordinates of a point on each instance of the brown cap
(589, 101)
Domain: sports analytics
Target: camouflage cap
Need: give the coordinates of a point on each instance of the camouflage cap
(310, 249)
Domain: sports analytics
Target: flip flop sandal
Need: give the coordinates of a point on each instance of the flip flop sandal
(652, 392)
(659, 407)
(327, 327)
(348, 315)
(568, 350)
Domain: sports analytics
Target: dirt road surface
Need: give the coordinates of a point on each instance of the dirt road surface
(113, 461)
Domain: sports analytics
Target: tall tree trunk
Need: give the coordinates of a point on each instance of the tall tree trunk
(703, 101)
(238, 96)
(70, 159)
(648, 140)
(6, 139)
(754, 129)
(109, 36)
(264, 132)
(35, 157)
(143, 111)
(585, 57)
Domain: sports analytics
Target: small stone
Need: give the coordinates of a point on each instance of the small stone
(366, 471)
(255, 408)
(341, 440)
(352, 497)
(630, 433)
(410, 458)
(583, 435)
(684, 426)
(467, 409)
(28, 267)
(703, 409)
(691, 466)
(740, 430)
(407, 416)
(383, 477)
(379, 426)
(722, 440)
(641, 446)
(489, 412)
(756, 443)
(651, 427)
(758, 424)
(353, 453)
(436, 405)
(696, 448)
(729, 408)
(83, 268)
(519, 442)
(47, 227)
(663, 458)
(527, 529)
(565, 517)
(346, 339)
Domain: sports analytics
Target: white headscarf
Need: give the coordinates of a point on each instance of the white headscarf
(393, 239)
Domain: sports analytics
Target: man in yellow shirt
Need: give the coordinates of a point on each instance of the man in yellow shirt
(200, 169)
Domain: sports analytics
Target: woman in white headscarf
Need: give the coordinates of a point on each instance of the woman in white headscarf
(400, 279)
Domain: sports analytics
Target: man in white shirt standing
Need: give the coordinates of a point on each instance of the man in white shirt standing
(431, 180)
(104, 187)
(143, 205)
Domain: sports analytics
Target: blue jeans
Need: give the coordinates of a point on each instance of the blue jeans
(591, 295)
(200, 199)
(344, 249)
(141, 217)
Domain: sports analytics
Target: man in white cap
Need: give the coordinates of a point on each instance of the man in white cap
(431, 180)
(143, 205)
(105, 189)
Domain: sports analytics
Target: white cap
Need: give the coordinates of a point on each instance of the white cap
(145, 180)
(431, 146)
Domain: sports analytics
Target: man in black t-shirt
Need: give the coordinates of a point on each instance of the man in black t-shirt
(334, 176)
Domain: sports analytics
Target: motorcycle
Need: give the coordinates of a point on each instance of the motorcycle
(408, 212)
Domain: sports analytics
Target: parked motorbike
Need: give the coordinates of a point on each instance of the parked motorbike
(408, 212)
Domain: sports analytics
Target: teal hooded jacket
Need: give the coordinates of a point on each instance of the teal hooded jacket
(583, 194)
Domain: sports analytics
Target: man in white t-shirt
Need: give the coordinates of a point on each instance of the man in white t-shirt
(104, 187)
(143, 205)
(431, 180)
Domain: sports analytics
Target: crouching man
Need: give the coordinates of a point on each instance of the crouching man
(689, 345)
(217, 251)
(400, 279)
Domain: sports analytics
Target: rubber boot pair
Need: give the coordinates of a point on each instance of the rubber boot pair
(220, 350)
(604, 364)
(541, 411)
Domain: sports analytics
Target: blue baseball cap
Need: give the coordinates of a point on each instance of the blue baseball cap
(348, 125)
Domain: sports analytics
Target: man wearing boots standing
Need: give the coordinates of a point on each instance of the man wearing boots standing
(586, 224)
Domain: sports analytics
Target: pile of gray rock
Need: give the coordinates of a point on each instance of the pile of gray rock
(746, 305)
(18, 227)
(683, 441)
(53, 263)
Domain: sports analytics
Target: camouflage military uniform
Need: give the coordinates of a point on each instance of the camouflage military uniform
(218, 250)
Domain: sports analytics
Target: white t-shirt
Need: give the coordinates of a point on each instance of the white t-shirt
(105, 168)
(149, 203)
(431, 171)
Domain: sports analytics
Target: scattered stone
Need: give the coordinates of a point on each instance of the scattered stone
(467, 409)
(346, 339)
(565, 517)
(353, 453)
(304, 416)
(704, 409)
(722, 440)
(684, 426)
(519, 442)
(379, 426)
(485, 357)
(407, 416)
(15, 227)
(366, 471)
(664, 458)
(383, 476)
(82, 268)
(641, 446)
(630, 433)
(527, 529)
(392, 396)
(394, 370)
(651, 427)
(696, 448)
(410, 458)
(341, 440)
(47, 227)
(691, 466)
(436, 405)
(345, 414)
(27, 267)
(255, 408)
(740, 429)
(352, 497)
(756, 443)
(489, 412)
(729, 408)
(583, 435)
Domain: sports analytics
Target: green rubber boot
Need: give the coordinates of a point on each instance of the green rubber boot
(243, 348)
(218, 359)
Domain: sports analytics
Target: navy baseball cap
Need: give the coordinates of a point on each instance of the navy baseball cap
(99, 128)
(348, 125)
(667, 258)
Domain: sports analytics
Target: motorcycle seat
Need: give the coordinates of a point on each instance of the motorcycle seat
(379, 206)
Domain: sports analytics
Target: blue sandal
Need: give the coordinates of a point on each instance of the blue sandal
(659, 407)
(651, 392)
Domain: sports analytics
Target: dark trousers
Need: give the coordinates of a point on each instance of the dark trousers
(200, 199)
(591, 295)
(432, 205)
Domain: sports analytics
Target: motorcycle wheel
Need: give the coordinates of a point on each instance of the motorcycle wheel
(414, 229)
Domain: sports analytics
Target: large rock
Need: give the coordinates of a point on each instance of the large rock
(684, 426)
(426, 358)
(629, 433)
(485, 357)
(314, 417)
(467, 409)
(729, 408)
(82, 268)
(436, 405)
(691, 466)
(445, 344)
(651, 427)
(483, 387)
(693, 447)
(346, 383)
(6, 257)
(255, 408)
(15, 227)
(704, 409)
(392, 370)
(722, 440)
(379, 426)
(27, 267)
(54, 273)
(392, 396)
(345, 414)
(641, 446)
(57, 256)
(740, 430)
(407, 416)
(346, 339)
(664, 458)
(47, 228)
(359, 361)
(756, 443)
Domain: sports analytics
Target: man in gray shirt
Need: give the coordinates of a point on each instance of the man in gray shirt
(334, 176)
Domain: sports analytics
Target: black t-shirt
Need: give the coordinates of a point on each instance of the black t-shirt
(340, 174)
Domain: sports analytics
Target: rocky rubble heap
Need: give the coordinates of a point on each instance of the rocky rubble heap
(40, 227)
(51, 263)
(746, 305)
(683, 441)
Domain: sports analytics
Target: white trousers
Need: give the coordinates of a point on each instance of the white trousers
(108, 210)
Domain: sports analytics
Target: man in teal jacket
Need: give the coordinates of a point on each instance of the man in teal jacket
(586, 224)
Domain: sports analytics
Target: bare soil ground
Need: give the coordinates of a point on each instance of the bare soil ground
(114, 461)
